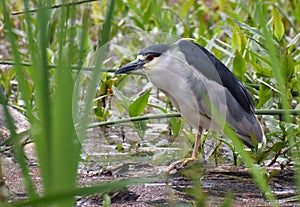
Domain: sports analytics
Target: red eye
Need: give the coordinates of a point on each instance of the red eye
(149, 57)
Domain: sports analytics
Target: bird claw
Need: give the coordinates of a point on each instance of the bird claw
(180, 164)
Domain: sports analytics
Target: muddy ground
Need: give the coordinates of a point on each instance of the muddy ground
(169, 189)
(116, 153)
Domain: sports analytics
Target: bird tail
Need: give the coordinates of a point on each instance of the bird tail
(252, 135)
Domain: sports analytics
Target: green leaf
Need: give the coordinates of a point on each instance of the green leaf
(239, 66)
(176, 125)
(133, 6)
(149, 11)
(102, 114)
(137, 107)
(252, 30)
(106, 84)
(277, 24)
(297, 11)
(236, 43)
(106, 201)
(185, 8)
(275, 148)
(259, 12)
(278, 146)
(140, 127)
(287, 67)
(264, 95)
(261, 70)
(120, 147)
(125, 101)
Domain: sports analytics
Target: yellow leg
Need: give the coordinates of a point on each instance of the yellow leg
(184, 161)
(196, 145)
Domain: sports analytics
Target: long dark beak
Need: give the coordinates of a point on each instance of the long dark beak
(134, 65)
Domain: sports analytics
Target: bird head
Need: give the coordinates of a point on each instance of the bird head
(147, 59)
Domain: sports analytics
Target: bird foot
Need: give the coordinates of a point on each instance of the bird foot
(180, 164)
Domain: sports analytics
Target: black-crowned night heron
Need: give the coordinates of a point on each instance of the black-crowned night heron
(202, 88)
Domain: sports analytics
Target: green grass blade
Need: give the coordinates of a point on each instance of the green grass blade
(96, 74)
(25, 90)
(66, 148)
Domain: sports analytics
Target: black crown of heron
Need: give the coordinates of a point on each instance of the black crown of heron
(202, 88)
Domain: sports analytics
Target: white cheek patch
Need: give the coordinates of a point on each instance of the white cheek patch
(141, 57)
(153, 64)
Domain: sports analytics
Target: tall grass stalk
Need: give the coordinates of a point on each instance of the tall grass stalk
(26, 94)
(275, 62)
(57, 144)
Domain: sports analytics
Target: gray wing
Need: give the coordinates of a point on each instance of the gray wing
(215, 70)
